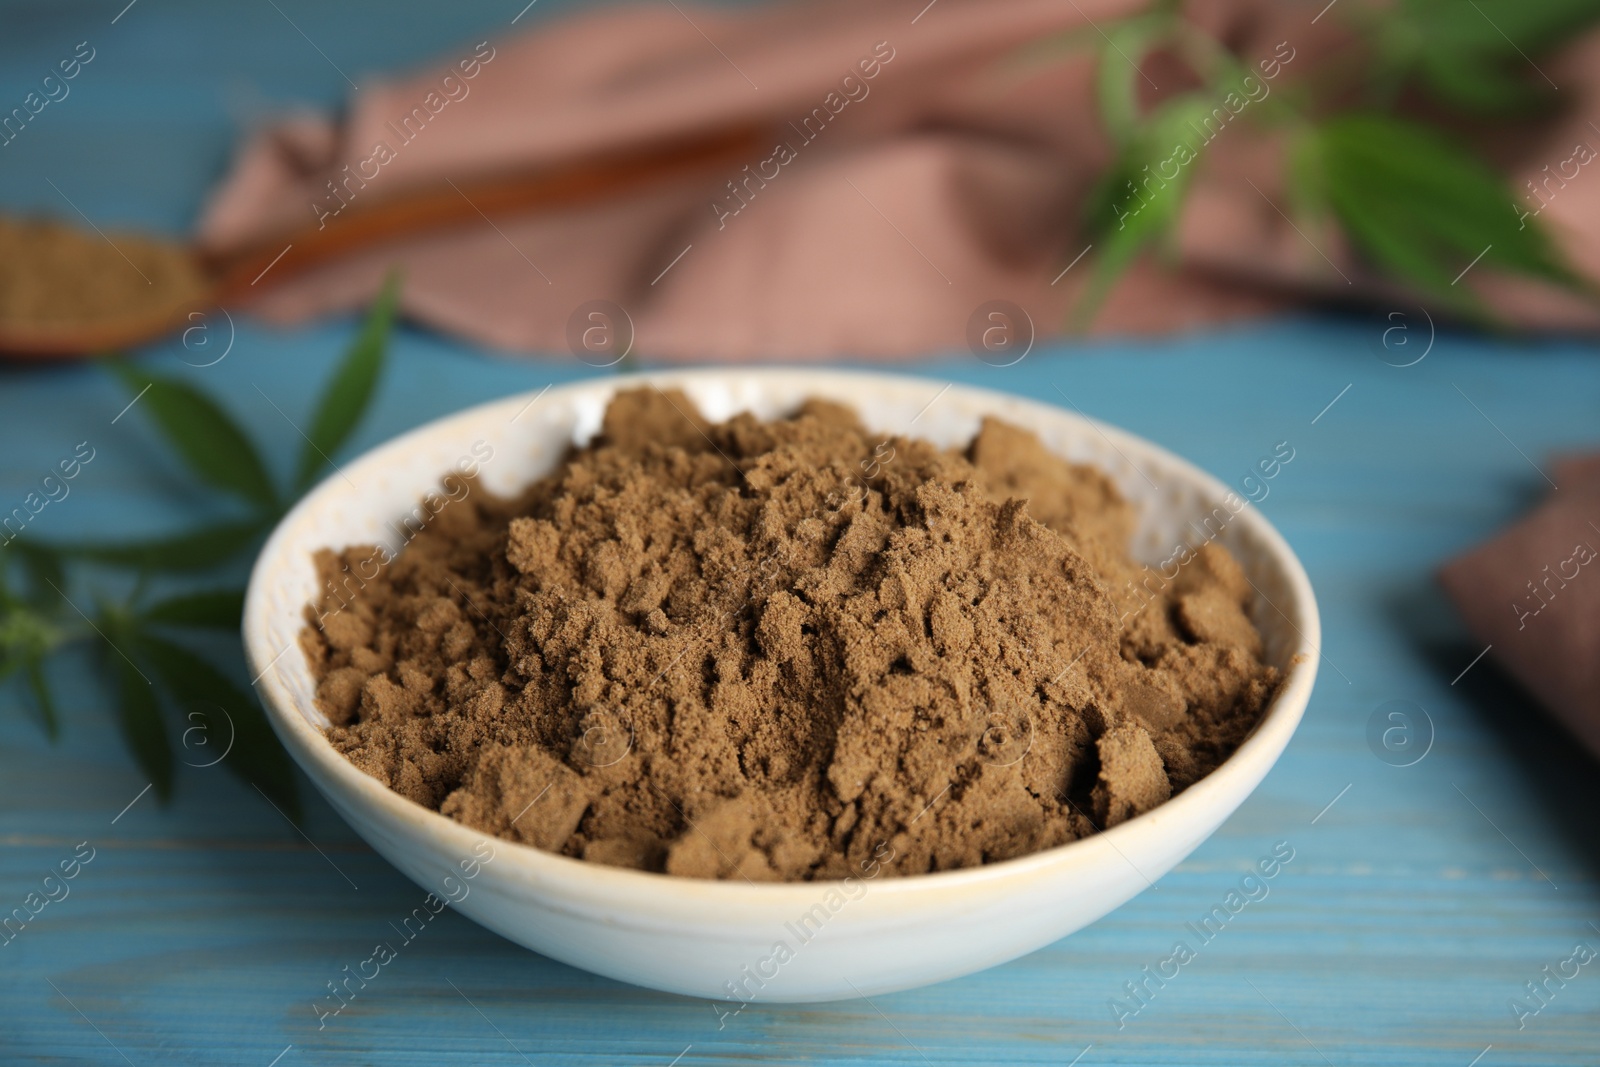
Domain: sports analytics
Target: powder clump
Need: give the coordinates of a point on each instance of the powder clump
(785, 650)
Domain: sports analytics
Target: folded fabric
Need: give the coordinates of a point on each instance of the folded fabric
(922, 164)
(1532, 594)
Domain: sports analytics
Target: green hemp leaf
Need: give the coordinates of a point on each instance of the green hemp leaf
(166, 691)
(1416, 205)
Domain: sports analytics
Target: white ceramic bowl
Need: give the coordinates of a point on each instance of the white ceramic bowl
(696, 937)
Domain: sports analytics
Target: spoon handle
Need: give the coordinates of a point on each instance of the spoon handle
(366, 224)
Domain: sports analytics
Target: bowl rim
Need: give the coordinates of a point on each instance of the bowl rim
(583, 878)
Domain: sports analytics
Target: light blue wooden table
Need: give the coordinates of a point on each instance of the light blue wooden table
(1420, 899)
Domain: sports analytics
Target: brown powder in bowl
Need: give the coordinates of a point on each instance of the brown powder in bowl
(782, 650)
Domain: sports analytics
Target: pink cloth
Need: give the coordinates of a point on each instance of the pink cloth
(952, 176)
(1532, 593)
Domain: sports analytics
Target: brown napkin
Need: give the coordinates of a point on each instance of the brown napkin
(950, 175)
(1533, 594)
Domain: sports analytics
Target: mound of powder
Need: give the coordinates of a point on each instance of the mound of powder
(784, 650)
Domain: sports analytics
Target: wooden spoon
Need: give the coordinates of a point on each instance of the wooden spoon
(362, 225)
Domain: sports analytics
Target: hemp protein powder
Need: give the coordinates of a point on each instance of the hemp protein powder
(785, 650)
(55, 276)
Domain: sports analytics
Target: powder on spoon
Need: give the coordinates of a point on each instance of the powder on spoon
(777, 650)
(53, 275)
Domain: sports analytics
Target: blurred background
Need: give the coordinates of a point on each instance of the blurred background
(240, 242)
